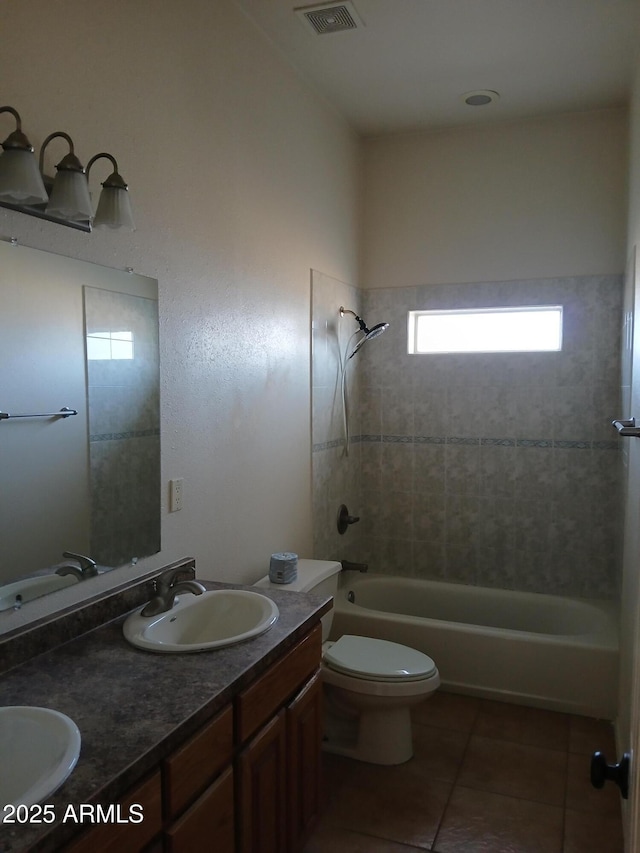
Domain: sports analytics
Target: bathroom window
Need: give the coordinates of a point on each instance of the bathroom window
(103, 346)
(534, 328)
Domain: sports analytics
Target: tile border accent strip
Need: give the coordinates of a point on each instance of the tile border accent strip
(120, 436)
(541, 443)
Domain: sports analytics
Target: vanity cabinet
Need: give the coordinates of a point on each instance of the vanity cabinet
(280, 777)
(127, 837)
(209, 823)
(263, 790)
(280, 767)
(188, 773)
(247, 782)
(304, 762)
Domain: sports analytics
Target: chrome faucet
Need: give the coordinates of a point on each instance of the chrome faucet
(166, 587)
(81, 568)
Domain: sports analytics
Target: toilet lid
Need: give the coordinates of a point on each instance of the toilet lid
(379, 660)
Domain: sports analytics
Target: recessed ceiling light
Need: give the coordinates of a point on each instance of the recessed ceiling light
(480, 97)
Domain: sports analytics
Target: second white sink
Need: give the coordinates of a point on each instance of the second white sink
(39, 748)
(198, 623)
(30, 588)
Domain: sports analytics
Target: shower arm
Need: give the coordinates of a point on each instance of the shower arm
(359, 320)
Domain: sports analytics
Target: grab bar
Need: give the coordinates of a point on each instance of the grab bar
(627, 427)
(65, 412)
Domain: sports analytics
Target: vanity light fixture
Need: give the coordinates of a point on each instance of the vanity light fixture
(69, 197)
(114, 205)
(20, 179)
(64, 199)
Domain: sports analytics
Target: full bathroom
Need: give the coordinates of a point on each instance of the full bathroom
(266, 199)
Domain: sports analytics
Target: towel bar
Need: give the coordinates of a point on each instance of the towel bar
(627, 427)
(65, 412)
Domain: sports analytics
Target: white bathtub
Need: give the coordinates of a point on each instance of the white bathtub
(543, 650)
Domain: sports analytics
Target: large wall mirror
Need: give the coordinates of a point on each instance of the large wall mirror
(82, 337)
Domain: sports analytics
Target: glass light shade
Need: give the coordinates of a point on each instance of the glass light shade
(70, 197)
(20, 178)
(114, 209)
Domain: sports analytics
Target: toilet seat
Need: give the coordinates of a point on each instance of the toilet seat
(376, 660)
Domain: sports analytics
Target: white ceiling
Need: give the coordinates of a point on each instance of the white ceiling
(407, 67)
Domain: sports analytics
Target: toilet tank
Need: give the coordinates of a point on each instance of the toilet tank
(317, 576)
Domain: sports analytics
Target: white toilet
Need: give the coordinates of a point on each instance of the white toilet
(370, 685)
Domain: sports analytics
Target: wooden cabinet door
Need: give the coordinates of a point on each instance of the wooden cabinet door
(263, 792)
(275, 688)
(192, 767)
(209, 823)
(123, 837)
(304, 764)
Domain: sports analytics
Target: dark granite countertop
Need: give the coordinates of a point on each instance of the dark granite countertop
(133, 707)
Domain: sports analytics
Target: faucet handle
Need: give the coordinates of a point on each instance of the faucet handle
(171, 577)
(344, 519)
(87, 565)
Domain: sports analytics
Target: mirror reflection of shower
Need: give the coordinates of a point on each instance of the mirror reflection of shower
(363, 334)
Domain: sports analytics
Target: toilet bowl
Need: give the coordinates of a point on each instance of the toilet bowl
(370, 685)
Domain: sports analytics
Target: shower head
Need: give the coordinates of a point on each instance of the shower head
(367, 334)
(378, 329)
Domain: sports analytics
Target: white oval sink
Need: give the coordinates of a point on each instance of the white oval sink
(40, 747)
(198, 623)
(30, 588)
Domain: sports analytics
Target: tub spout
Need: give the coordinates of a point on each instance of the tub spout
(355, 567)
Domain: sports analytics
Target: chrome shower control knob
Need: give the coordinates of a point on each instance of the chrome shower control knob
(344, 519)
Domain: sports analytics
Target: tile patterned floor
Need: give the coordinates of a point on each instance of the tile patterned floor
(486, 777)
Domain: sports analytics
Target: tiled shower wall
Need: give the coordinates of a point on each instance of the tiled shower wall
(499, 469)
(124, 430)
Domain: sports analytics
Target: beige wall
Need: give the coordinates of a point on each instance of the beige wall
(533, 199)
(241, 181)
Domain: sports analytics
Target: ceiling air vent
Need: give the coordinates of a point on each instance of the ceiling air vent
(330, 18)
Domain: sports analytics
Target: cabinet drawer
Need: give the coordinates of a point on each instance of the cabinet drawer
(126, 837)
(209, 823)
(271, 691)
(190, 769)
